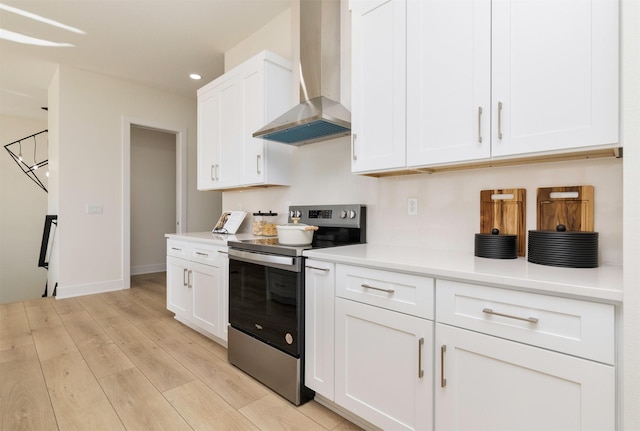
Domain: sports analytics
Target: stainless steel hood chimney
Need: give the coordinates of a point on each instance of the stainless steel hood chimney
(319, 116)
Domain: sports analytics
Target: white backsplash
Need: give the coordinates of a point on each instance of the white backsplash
(448, 202)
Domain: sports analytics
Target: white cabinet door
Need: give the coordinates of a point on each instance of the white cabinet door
(555, 75)
(251, 160)
(218, 125)
(224, 293)
(384, 366)
(488, 383)
(204, 282)
(378, 84)
(208, 147)
(264, 81)
(178, 294)
(319, 327)
(448, 81)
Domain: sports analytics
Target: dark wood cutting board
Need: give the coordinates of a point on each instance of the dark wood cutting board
(571, 206)
(505, 210)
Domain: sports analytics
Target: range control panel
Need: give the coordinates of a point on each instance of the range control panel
(352, 215)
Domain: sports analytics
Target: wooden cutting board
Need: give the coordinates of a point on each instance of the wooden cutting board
(505, 210)
(571, 206)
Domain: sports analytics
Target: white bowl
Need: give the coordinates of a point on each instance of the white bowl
(295, 234)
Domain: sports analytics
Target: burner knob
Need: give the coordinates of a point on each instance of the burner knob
(296, 213)
(352, 214)
(343, 214)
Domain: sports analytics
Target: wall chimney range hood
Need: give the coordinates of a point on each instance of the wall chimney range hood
(319, 116)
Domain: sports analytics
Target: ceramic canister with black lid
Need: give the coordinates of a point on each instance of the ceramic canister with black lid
(495, 245)
(569, 249)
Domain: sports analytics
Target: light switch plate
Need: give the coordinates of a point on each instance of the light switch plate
(94, 209)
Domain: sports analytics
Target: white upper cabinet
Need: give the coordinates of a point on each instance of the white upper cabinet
(441, 82)
(555, 72)
(230, 109)
(218, 123)
(378, 84)
(448, 81)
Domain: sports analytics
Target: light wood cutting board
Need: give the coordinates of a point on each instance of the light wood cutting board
(505, 210)
(571, 206)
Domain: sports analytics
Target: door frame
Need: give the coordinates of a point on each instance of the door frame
(181, 184)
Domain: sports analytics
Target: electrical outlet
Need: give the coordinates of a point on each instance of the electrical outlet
(412, 206)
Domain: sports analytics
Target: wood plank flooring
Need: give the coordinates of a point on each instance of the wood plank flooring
(120, 361)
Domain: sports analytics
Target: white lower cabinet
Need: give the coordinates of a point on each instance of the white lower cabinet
(384, 347)
(319, 323)
(384, 366)
(488, 383)
(408, 352)
(196, 287)
(510, 360)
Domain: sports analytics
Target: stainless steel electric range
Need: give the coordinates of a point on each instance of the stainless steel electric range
(266, 297)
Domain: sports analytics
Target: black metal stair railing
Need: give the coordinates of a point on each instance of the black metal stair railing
(34, 155)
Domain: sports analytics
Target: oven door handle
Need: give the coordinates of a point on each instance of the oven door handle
(248, 256)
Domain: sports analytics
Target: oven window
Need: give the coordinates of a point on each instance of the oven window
(265, 302)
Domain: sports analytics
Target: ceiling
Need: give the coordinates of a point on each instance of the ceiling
(152, 42)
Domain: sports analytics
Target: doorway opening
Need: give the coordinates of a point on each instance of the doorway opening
(148, 149)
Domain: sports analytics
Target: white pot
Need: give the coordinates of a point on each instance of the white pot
(295, 233)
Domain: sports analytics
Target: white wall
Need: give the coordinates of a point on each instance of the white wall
(630, 134)
(90, 110)
(23, 206)
(153, 198)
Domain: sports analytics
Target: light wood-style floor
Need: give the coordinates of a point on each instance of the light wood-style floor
(119, 361)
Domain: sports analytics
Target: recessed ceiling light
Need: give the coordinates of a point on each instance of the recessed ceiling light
(195, 76)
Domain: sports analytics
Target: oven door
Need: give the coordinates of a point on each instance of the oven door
(266, 298)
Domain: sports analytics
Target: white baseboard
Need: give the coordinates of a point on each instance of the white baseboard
(63, 292)
(148, 269)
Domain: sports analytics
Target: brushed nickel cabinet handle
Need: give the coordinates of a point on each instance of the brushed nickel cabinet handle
(190, 278)
(199, 253)
(420, 370)
(480, 124)
(499, 120)
(223, 252)
(495, 313)
(443, 381)
(366, 286)
(258, 164)
(176, 249)
(318, 269)
(213, 172)
(185, 276)
(353, 146)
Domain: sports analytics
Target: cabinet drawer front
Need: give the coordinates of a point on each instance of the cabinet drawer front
(178, 249)
(204, 254)
(579, 328)
(406, 293)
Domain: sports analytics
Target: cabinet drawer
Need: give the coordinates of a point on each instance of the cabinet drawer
(178, 249)
(581, 328)
(410, 294)
(205, 254)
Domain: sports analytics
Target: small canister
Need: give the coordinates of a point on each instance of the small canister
(264, 224)
(496, 246)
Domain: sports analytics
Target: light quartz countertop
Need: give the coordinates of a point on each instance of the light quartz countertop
(601, 284)
(210, 238)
